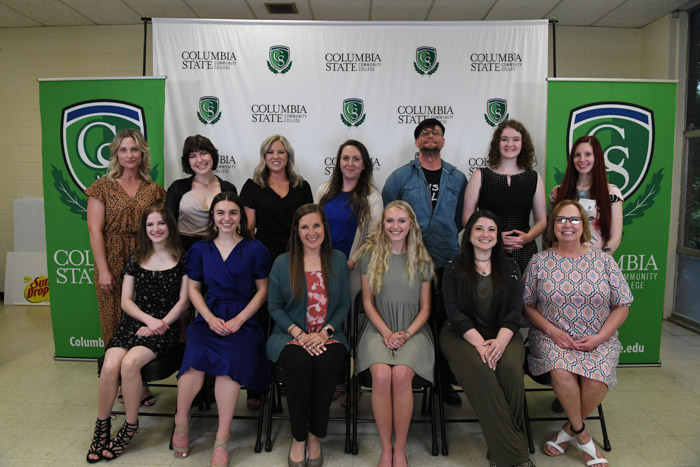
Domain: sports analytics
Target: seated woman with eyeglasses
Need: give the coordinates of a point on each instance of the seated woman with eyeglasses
(576, 298)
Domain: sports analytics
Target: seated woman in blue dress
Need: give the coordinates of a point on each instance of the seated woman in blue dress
(309, 300)
(223, 340)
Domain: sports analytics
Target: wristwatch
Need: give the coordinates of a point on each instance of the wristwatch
(329, 331)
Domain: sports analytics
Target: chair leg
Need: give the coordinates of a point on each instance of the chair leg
(433, 427)
(528, 428)
(355, 397)
(424, 405)
(261, 419)
(348, 413)
(604, 429)
(441, 406)
(268, 440)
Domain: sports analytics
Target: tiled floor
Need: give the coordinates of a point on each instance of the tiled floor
(48, 409)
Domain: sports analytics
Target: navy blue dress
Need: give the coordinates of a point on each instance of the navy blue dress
(230, 286)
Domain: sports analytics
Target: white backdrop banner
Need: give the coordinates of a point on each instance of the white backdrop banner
(320, 83)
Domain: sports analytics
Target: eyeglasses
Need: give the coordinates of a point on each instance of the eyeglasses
(431, 132)
(563, 220)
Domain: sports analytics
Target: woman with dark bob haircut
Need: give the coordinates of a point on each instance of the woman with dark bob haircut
(511, 189)
(189, 198)
(483, 294)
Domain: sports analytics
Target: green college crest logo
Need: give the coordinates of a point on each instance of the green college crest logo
(353, 112)
(626, 133)
(279, 59)
(87, 129)
(496, 111)
(426, 60)
(209, 111)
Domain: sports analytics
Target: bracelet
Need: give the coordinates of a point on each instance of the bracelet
(410, 334)
(298, 336)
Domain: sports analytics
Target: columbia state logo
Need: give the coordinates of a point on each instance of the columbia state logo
(209, 111)
(353, 112)
(87, 129)
(496, 111)
(426, 60)
(279, 59)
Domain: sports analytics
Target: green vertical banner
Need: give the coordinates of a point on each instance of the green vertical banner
(79, 118)
(635, 123)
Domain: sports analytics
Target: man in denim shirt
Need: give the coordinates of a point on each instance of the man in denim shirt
(435, 191)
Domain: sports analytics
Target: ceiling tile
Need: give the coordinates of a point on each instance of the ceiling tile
(638, 13)
(10, 18)
(405, 10)
(505, 10)
(48, 12)
(341, 10)
(161, 8)
(459, 10)
(221, 9)
(105, 11)
(578, 13)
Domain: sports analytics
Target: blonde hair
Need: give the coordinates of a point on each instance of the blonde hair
(115, 169)
(261, 174)
(379, 249)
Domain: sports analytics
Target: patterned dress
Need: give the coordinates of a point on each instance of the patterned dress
(156, 293)
(576, 295)
(122, 216)
(512, 204)
(591, 209)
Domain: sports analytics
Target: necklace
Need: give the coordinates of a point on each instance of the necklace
(206, 184)
(479, 269)
(483, 260)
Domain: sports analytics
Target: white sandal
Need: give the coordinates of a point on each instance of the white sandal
(590, 449)
(562, 437)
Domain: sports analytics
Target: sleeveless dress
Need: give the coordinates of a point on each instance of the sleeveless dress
(156, 293)
(230, 286)
(398, 304)
(512, 204)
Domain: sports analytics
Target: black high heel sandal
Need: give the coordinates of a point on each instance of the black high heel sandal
(121, 440)
(99, 440)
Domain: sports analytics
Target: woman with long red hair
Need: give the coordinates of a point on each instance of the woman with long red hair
(586, 181)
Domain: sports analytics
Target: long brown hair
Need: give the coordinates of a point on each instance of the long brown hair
(232, 197)
(297, 278)
(144, 245)
(599, 186)
(526, 158)
(358, 197)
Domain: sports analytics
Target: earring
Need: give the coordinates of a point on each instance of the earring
(238, 229)
(216, 229)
